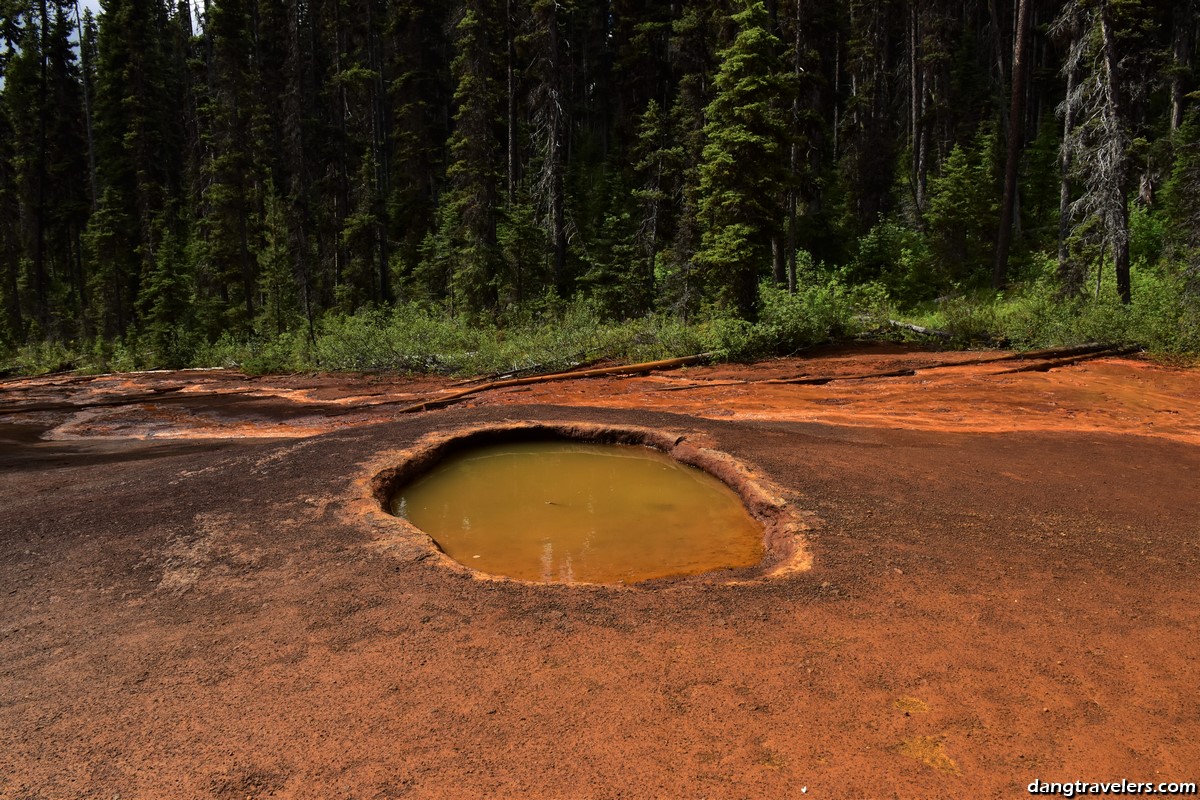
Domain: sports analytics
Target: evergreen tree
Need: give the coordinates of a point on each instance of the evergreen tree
(420, 99)
(278, 307)
(1181, 199)
(12, 324)
(138, 161)
(233, 171)
(657, 170)
(42, 90)
(167, 310)
(677, 274)
(963, 210)
(744, 171)
(467, 238)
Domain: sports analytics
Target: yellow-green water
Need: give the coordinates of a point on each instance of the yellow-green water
(572, 511)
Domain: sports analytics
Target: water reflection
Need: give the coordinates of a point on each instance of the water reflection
(570, 511)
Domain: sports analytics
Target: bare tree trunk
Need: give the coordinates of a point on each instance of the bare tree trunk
(511, 34)
(1069, 278)
(914, 127)
(1004, 235)
(87, 106)
(41, 274)
(997, 34)
(778, 261)
(1119, 213)
(837, 91)
(295, 101)
(379, 152)
(918, 124)
(1184, 21)
(923, 148)
(794, 156)
(555, 160)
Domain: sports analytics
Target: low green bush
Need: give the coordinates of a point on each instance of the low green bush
(1164, 318)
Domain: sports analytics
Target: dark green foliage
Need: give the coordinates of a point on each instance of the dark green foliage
(962, 213)
(742, 174)
(466, 244)
(238, 187)
(1181, 197)
(168, 327)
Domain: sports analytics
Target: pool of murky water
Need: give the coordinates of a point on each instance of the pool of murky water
(580, 512)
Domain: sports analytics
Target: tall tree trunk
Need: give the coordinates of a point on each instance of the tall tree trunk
(778, 261)
(794, 153)
(555, 157)
(41, 275)
(379, 153)
(1000, 70)
(1012, 160)
(1069, 278)
(510, 29)
(1119, 211)
(87, 108)
(297, 102)
(1183, 24)
(916, 91)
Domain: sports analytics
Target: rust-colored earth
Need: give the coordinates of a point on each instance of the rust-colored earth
(1004, 587)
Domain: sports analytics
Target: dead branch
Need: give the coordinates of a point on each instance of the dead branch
(806, 380)
(627, 369)
(523, 372)
(1046, 366)
(908, 326)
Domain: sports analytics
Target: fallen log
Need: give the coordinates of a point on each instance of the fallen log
(806, 380)
(1046, 366)
(908, 326)
(525, 372)
(626, 369)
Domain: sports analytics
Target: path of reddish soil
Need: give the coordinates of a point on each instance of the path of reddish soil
(1004, 588)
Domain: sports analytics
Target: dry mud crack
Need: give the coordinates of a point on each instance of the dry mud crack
(1003, 588)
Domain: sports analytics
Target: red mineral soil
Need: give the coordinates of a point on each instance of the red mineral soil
(199, 599)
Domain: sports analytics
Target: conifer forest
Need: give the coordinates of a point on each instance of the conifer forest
(176, 178)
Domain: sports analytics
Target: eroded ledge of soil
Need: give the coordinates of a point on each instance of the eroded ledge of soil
(1120, 395)
(785, 550)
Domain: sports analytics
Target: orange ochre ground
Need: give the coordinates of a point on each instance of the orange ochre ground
(1004, 588)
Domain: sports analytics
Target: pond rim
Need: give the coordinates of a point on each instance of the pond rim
(785, 548)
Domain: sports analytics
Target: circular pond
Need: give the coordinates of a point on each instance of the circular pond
(571, 511)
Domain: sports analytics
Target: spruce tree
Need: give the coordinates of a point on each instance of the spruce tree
(1181, 199)
(743, 175)
(678, 279)
(230, 208)
(419, 95)
(12, 324)
(138, 162)
(468, 219)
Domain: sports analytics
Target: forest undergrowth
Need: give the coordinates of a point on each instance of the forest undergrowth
(1164, 319)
